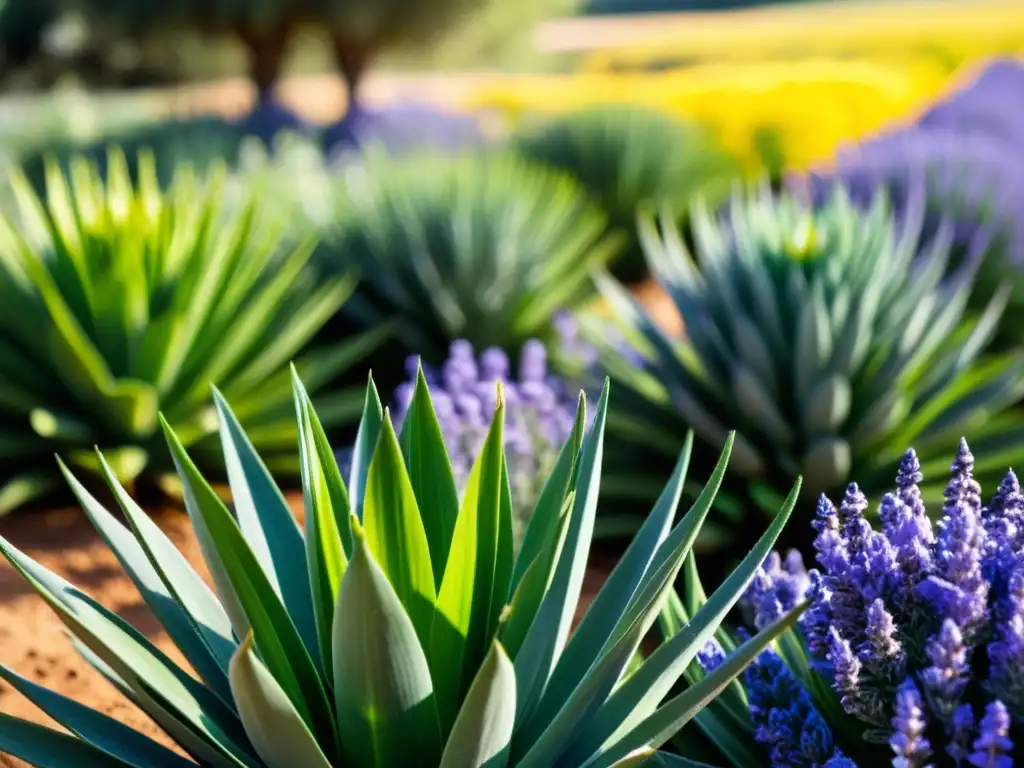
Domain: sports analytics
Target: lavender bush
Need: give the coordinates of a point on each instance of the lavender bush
(917, 630)
(540, 410)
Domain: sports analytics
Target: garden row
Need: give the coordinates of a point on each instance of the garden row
(830, 325)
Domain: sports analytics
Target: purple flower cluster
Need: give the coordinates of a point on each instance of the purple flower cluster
(784, 719)
(921, 631)
(540, 409)
(966, 151)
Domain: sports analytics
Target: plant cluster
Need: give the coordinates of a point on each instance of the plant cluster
(482, 247)
(913, 645)
(400, 628)
(967, 154)
(827, 336)
(539, 415)
(120, 301)
(628, 158)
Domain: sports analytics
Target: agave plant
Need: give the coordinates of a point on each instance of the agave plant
(118, 301)
(827, 337)
(400, 629)
(482, 248)
(627, 157)
(968, 155)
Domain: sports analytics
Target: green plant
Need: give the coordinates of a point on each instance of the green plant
(485, 248)
(628, 157)
(202, 143)
(118, 301)
(402, 629)
(826, 337)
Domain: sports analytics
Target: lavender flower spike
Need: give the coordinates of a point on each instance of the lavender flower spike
(962, 485)
(944, 681)
(993, 747)
(1006, 651)
(908, 741)
(908, 478)
(847, 671)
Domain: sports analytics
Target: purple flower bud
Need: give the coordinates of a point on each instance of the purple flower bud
(775, 589)
(993, 747)
(908, 478)
(908, 742)
(825, 516)
(944, 681)
(711, 656)
(1006, 651)
(539, 414)
(783, 716)
(847, 671)
(412, 365)
(494, 364)
(960, 733)
(881, 645)
(533, 362)
(962, 485)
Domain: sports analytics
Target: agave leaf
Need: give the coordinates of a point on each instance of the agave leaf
(547, 635)
(395, 532)
(267, 524)
(813, 343)
(477, 576)
(639, 696)
(925, 413)
(583, 701)
(46, 748)
(482, 734)
(385, 699)
(197, 624)
(658, 727)
(756, 404)
(671, 554)
(430, 473)
(557, 487)
(594, 632)
(526, 600)
(827, 462)
(294, 335)
(279, 643)
(756, 355)
(734, 743)
(694, 598)
(278, 733)
(103, 732)
(363, 449)
(828, 405)
(250, 321)
(195, 716)
(326, 505)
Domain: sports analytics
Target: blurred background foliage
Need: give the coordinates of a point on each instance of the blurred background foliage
(563, 125)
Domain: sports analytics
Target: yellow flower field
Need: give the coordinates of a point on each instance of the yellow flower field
(766, 113)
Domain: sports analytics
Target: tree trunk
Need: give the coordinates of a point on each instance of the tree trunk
(267, 48)
(352, 59)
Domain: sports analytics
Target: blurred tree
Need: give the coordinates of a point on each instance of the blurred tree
(358, 30)
(43, 42)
